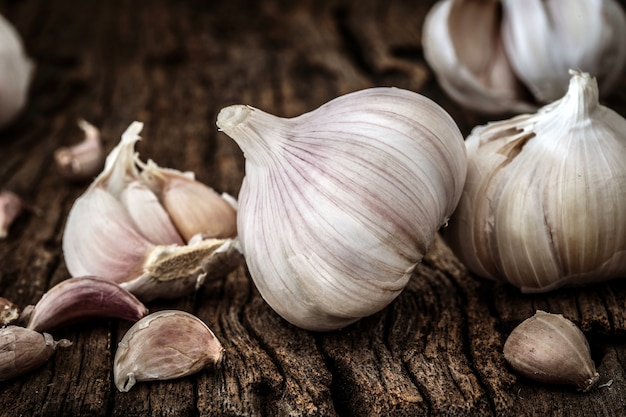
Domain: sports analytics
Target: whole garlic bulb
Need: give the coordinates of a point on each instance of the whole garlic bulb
(544, 203)
(339, 205)
(509, 56)
(16, 70)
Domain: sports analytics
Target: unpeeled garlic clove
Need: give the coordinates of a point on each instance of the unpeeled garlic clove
(84, 298)
(17, 73)
(9, 312)
(120, 228)
(340, 204)
(23, 350)
(83, 160)
(11, 205)
(550, 348)
(164, 345)
(544, 204)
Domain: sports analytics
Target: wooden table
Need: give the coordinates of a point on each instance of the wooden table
(436, 350)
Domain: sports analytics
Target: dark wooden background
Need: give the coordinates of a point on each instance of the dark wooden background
(436, 350)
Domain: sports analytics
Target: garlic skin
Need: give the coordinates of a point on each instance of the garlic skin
(585, 34)
(23, 350)
(83, 160)
(119, 229)
(11, 206)
(544, 204)
(81, 299)
(17, 72)
(165, 345)
(550, 348)
(339, 205)
(9, 312)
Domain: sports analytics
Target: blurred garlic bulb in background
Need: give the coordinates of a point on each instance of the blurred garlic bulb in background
(544, 203)
(503, 56)
(338, 205)
(16, 71)
(123, 230)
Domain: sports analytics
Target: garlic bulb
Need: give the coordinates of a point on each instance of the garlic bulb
(339, 205)
(164, 345)
(550, 348)
(121, 230)
(544, 203)
(16, 71)
(507, 56)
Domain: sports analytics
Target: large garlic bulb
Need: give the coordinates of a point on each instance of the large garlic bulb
(339, 205)
(508, 56)
(15, 73)
(544, 203)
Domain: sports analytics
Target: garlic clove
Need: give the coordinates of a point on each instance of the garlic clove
(173, 271)
(586, 34)
(83, 160)
(164, 345)
(84, 298)
(11, 205)
(17, 73)
(550, 348)
(338, 205)
(462, 44)
(149, 217)
(9, 312)
(193, 207)
(544, 203)
(23, 350)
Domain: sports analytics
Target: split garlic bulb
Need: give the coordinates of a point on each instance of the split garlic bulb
(544, 203)
(339, 205)
(501, 56)
(16, 71)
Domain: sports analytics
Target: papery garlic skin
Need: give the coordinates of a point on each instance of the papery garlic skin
(544, 203)
(16, 70)
(83, 160)
(339, 205)
(550, 348)
(11, 206)
(544, 39)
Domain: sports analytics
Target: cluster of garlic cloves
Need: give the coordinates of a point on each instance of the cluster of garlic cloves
(135, 227)
(339, 205)
(508, 56)
(544, 204)
(16, 75)
(164, 345)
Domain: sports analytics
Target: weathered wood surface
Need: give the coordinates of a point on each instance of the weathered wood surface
(436, 350)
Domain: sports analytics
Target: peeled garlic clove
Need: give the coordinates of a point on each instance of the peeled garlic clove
(9, 312)
(544, 203)
(544, 39)
(164, 345)
(549, 348)
(16, 75)
(23, 350)
(11, 206)
(193, 207)
(174, 271)
(84, 298)
(461, 41)
(339, 205)
(83, 160)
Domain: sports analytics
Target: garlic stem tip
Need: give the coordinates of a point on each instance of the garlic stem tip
(232, 116)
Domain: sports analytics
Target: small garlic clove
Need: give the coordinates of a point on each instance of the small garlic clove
(174, 271)
(9, 312)
(193, 207)
(11, 205)
(164, 345)
(587, 35)
(550, 348)
(84, 298)
(83, 160)
(23, 350)
(462, 45)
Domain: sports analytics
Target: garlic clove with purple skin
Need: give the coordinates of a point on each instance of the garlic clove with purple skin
(11, 205)
(550, 348)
